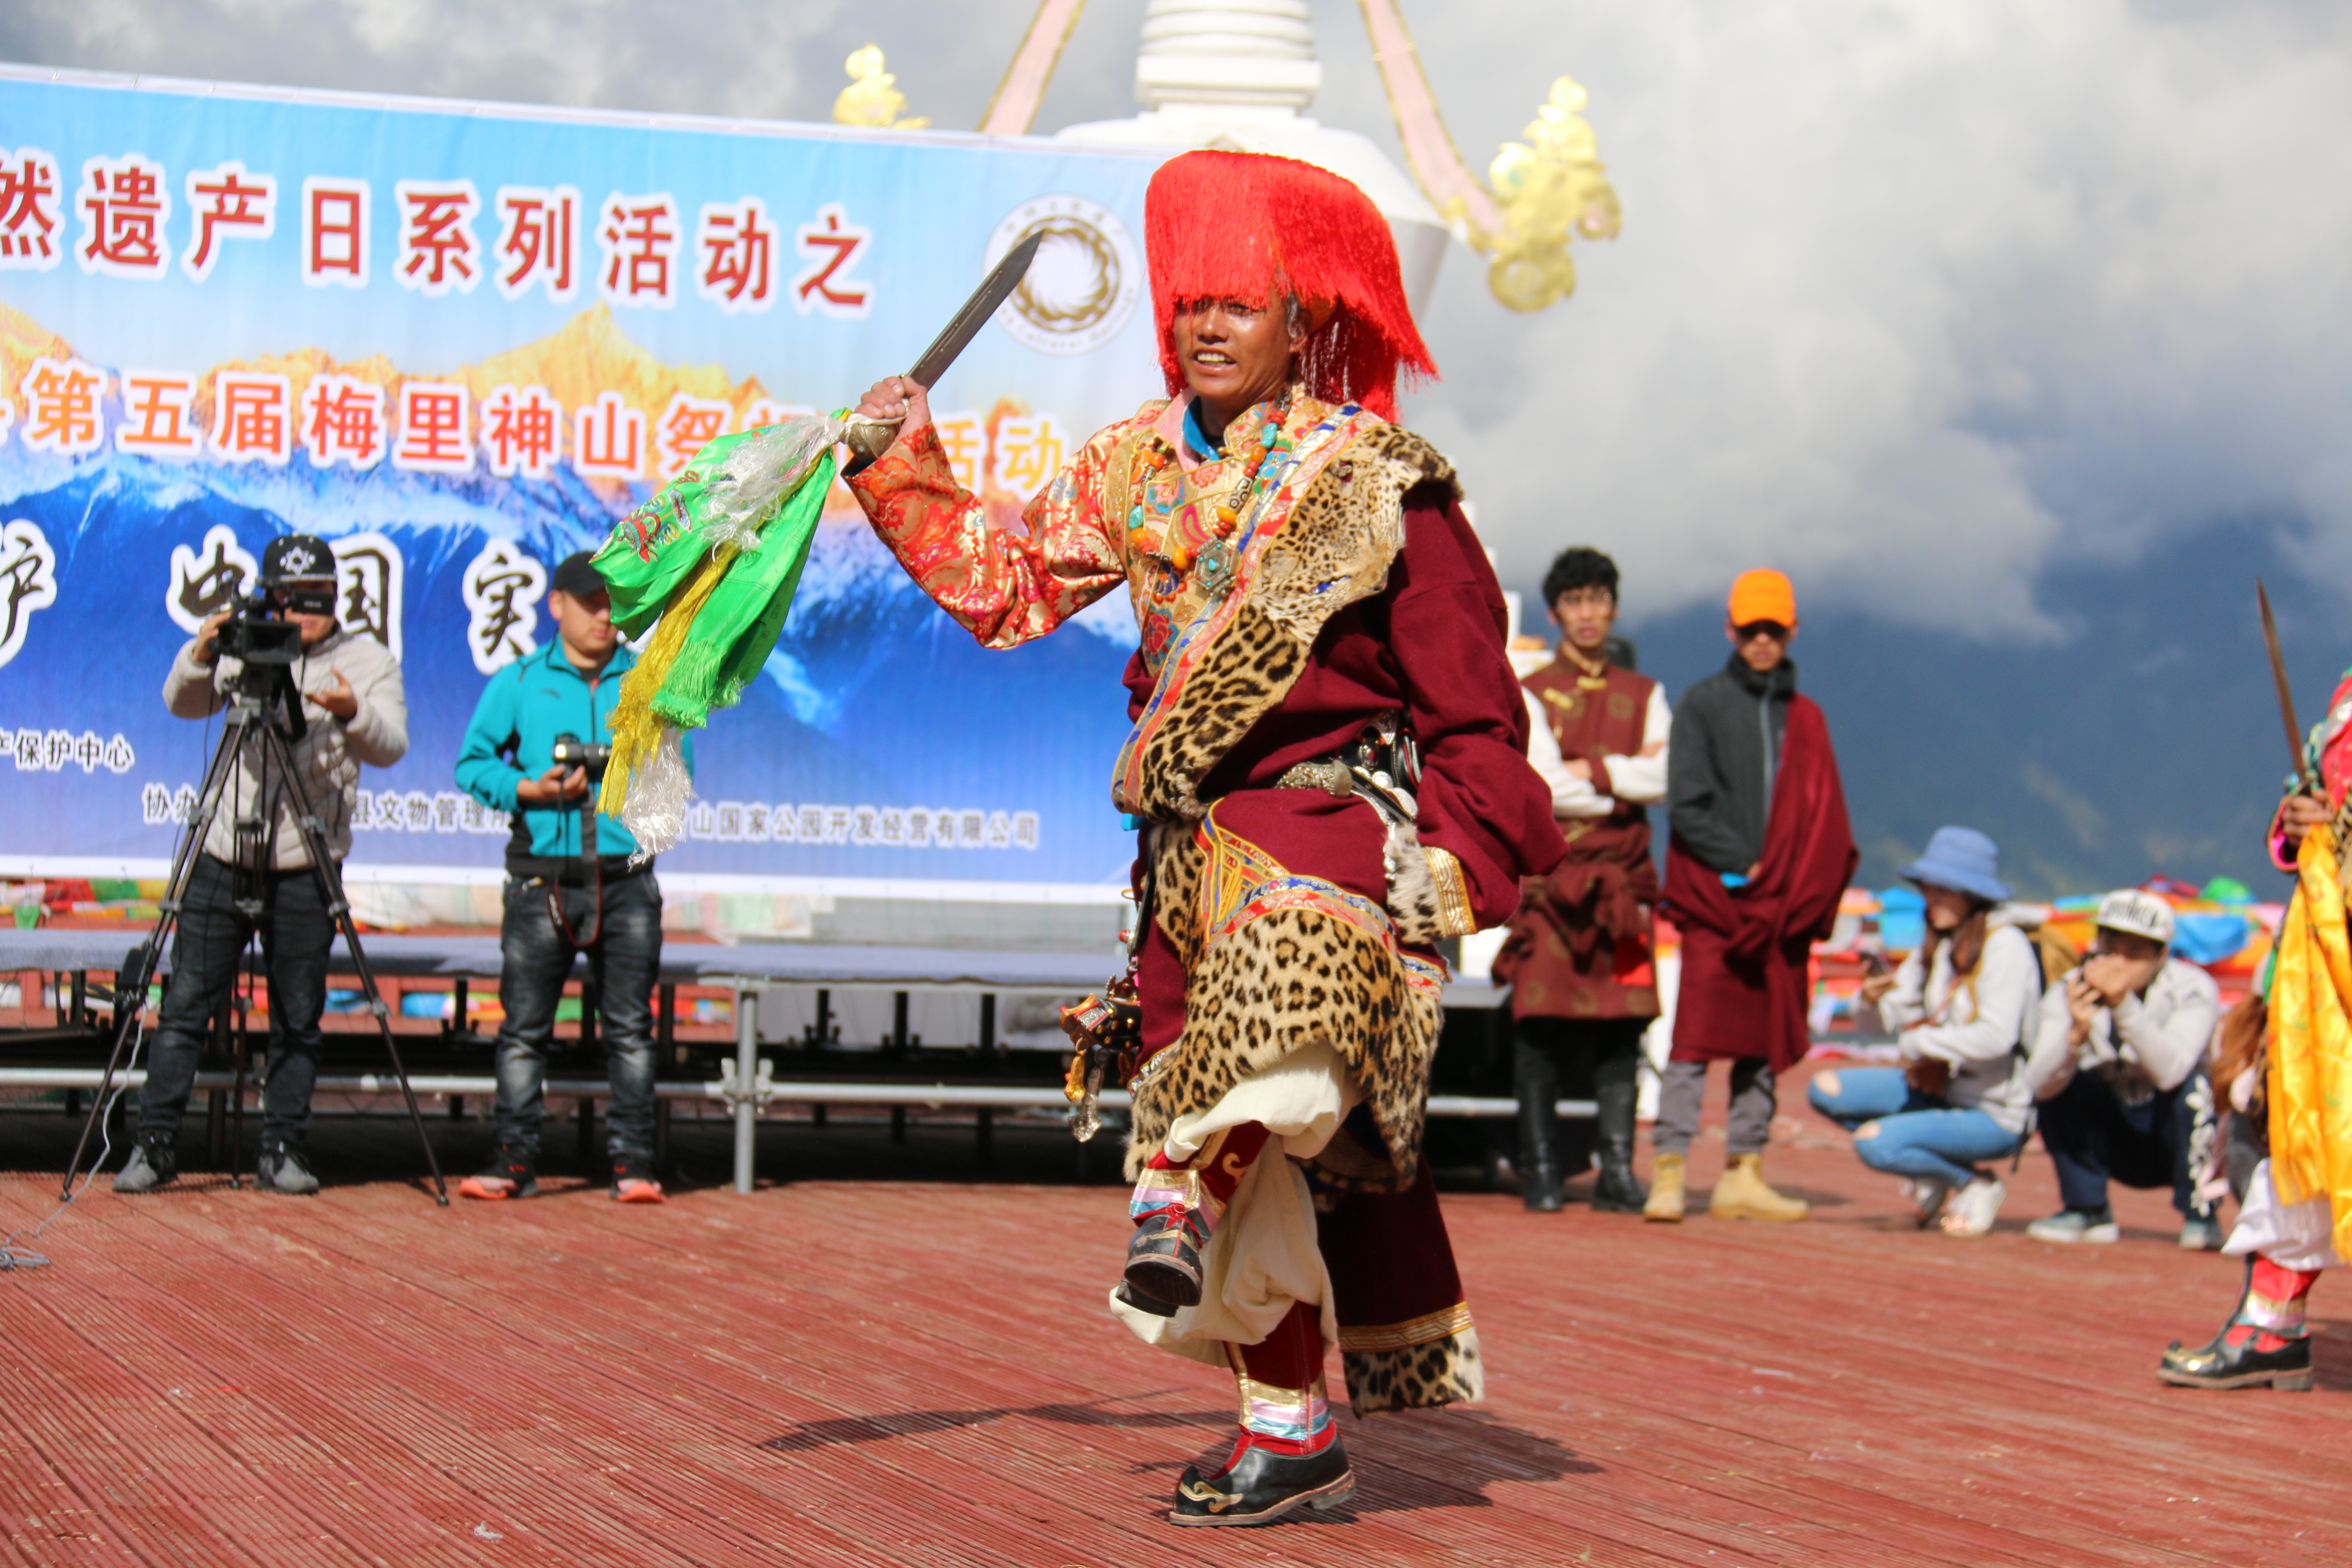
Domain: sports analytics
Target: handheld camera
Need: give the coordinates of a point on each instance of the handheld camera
(572, 751)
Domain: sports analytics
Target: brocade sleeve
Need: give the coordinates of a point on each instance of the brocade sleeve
(1003, 588)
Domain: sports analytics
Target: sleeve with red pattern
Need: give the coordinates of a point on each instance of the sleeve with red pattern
(1002, 587)
(1481, 802)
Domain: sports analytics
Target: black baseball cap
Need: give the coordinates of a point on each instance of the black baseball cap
(576, 574)
(297, 558)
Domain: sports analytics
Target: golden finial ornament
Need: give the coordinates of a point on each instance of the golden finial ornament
(872, 97)
(1547, 190)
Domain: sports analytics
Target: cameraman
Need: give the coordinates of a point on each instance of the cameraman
(562, 897)
(356, 711)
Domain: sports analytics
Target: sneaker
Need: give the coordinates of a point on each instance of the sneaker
(633, 1183)
(2071, 1225)
(152, 1163)
(282, 1170)
(2201, 1233)
(507, 1175)
(1926, 1195)
(1974, 1207)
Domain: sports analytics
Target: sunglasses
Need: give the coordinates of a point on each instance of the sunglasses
(1755, 629)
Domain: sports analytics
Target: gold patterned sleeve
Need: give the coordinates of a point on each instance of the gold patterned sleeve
(1003, 586)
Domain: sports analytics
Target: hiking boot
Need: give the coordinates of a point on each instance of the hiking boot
(2070, 1225)
(1975, 1206)
(1665, 1200)
(152, 1163)
(1742, 1193)
(2201, 1233)
(633, 1182)
(1260, 1485)
(280, 1169)
(507, 1175)
(2218, 1363)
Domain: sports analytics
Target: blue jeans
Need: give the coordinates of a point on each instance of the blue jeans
(2094, 1137)
(624, 961)
(1906, 1133)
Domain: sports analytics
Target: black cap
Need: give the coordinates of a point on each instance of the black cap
(577, 575)
(297, 557)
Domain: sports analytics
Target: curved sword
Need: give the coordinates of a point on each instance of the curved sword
(869, 437)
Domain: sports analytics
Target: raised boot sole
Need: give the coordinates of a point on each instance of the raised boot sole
(1330, 1494)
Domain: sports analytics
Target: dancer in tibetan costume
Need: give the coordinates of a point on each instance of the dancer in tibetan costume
(2295, 1219)
(1317, 621)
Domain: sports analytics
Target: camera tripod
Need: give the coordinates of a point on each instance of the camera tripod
(264, 707)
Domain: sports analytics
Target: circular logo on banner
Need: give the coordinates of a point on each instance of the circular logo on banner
(1084, 283)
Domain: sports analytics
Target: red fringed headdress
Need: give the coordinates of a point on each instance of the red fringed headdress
(1256, 227)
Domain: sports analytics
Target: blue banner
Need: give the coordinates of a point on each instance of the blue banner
(459, 340)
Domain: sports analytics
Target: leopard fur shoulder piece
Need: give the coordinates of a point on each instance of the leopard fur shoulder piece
(1326, 546)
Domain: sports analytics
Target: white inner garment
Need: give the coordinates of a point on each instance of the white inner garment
(1262, 1256)
(2293, 1236)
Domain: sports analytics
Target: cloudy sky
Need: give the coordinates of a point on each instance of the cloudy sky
(1927, 303)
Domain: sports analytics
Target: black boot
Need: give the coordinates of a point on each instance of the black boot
(1263, 1486)
(1615, 1088)
(2217, 1364)
(1163, 1263)
(1537, 1078)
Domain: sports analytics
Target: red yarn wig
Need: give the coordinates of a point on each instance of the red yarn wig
(1258, 228)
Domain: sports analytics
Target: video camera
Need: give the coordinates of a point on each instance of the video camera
(254, 635)
(572, 751)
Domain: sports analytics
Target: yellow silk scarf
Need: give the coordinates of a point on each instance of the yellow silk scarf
(2310, 1080)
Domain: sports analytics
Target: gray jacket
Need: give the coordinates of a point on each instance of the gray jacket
(2146, 1044)
(1725, 750)
(327, 759)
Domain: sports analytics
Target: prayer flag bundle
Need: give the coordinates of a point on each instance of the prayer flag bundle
(714, 556)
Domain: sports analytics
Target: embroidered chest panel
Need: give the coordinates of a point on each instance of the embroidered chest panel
(1591, 714)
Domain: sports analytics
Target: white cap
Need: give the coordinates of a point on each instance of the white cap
(2140, 913)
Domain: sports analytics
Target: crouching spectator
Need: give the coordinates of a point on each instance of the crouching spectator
(1965, 1002)
(2117, 1067)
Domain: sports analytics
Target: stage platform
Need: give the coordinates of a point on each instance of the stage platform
(878, 1357)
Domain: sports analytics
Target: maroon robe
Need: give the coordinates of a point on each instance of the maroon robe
(1746, 950)
(1581, 944)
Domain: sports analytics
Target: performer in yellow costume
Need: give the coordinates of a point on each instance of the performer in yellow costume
(2297, 1219)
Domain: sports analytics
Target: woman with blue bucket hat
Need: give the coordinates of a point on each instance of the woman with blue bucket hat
(1964, 1006)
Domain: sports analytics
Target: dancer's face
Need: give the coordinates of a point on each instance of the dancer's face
(1234, 354)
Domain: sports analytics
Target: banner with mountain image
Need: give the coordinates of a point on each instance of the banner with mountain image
(458, 341)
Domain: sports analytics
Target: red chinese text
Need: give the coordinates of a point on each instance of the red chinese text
(834, 246)
(29, 210)
(541, 232)
(158, 416)
(433, 428)
(252, 417)
(438, 251)
(223, 204)
(123, 205)
(62, 406)
(738, 250)
(608, 439)
(639, 236)
(521, 430)
(343, 422)
(685, 426)
(334, 232)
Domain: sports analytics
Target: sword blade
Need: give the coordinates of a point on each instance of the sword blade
(965, 325)
(2285, 693)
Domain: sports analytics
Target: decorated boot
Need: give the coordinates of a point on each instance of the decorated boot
(2266, 1339)
(1287, 1454)
(1176, 1208)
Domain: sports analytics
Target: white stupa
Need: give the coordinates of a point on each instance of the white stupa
(1239, 73)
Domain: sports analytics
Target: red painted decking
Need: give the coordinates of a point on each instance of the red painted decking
(920, 1370)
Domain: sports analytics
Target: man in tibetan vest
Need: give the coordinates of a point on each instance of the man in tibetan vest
(1316, 616)
(1579, 959)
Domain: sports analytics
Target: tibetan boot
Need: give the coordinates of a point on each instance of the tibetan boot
(1743, 1193)
(1665, 1200)
(2266, 1340)
(1258, 1485)
(1539, 1159)
(1287, 1454)
(1176, 1208)
(1615, 1089)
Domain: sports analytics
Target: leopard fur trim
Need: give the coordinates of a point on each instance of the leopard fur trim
(1333, 549)
(1276, 985)
(1424, 1376)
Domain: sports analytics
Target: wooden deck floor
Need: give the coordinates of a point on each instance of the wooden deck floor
(920, 1370)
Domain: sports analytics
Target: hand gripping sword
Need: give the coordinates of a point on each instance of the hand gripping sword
(870, 438)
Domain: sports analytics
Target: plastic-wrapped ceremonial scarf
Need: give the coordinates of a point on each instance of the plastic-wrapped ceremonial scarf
(714, 556)
(2310, 1087)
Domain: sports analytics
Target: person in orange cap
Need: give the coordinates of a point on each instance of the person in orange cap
(1328, 763)
(1757, 860)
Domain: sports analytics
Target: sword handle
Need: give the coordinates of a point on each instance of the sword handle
(869, 438)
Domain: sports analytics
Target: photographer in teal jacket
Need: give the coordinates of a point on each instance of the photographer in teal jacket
(561, 902)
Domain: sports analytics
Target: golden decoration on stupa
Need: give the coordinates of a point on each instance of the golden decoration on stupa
(872, 97)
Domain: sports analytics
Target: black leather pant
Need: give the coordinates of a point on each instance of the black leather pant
(1576, 1059)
